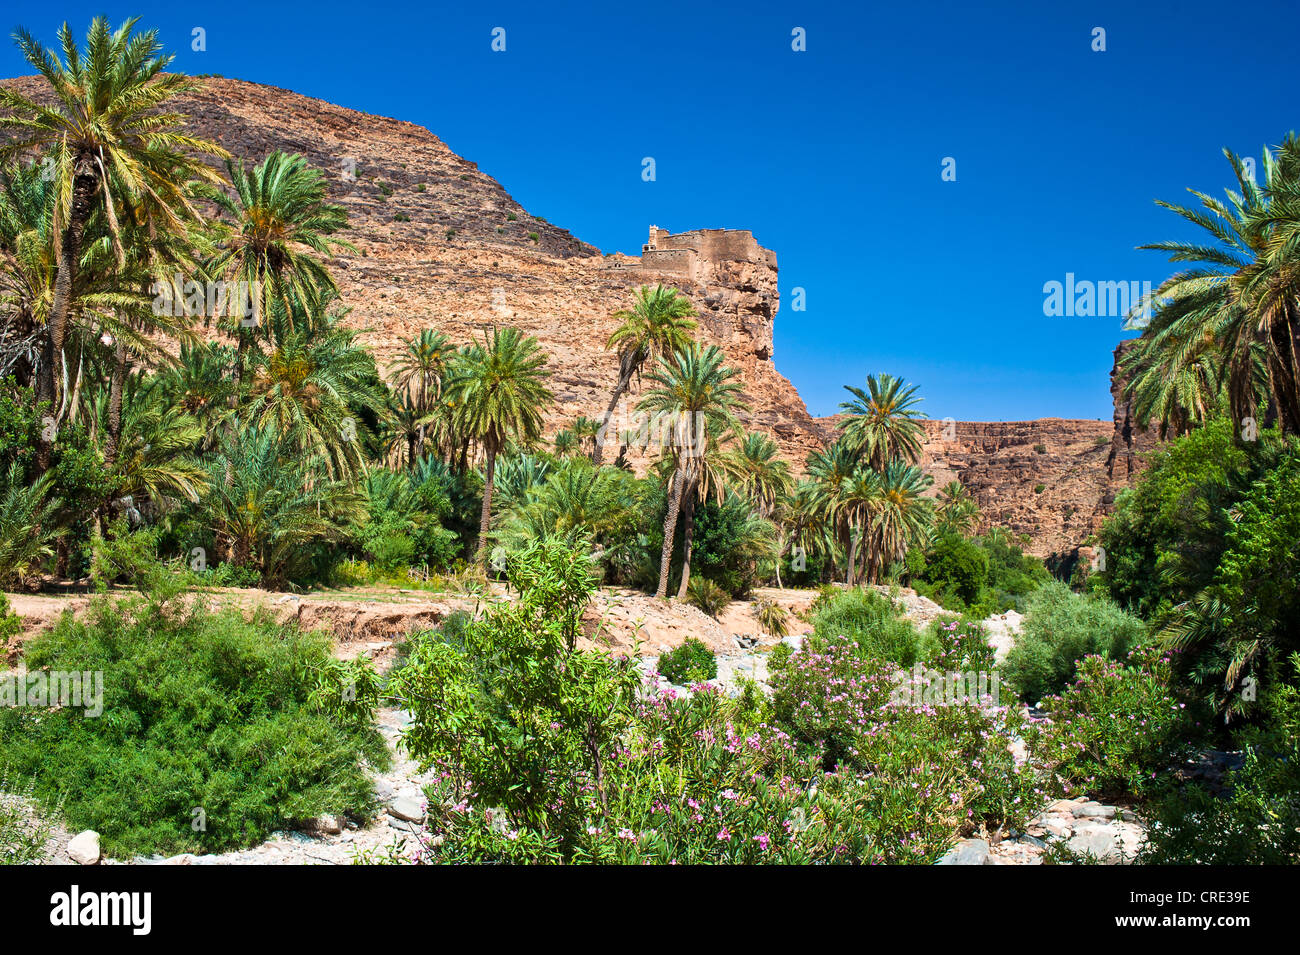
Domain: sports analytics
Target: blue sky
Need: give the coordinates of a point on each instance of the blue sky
(832, 156)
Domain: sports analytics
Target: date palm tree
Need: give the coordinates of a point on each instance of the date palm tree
(281, 229)
(419, 369)
(955, 510)
(883, 423)
(902, 517)
(825, 491)
(754, 469)
(109, 123)
(1232, 319)
(694, 398)
(658, 324)
(312, 387)
(499, 390)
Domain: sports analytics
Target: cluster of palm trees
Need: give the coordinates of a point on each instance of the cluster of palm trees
(257, 410)
(1224, 333)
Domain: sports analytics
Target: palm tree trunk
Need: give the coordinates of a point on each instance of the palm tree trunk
(688, 538)
(485, 516)
(853, 557)
(780, 555)
(624, 380)
(83, 192)
(114, 436)
(670, 529)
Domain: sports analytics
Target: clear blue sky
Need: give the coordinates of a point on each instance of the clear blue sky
(831, 156)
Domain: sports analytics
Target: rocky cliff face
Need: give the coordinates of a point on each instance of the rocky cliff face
(443, 245)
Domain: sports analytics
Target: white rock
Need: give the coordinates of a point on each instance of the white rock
(83, 848)
(406, 808)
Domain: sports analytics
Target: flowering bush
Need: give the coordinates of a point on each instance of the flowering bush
(547, 754)
(1117, 726)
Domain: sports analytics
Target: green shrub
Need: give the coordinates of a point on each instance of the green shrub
(730, 541)
(692, 662)
(956, 569)
(10, 626)
(1060, 629)
(871, 621)
(1116, 727)
(202, 713)
(772, 617)
(514, 708)
(1257, 821)
(707, 595)
(778, 657)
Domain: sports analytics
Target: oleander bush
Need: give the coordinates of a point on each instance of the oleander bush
(1119, 726)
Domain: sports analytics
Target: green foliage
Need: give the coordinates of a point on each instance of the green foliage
(1247, 619)
(201, 711)
(955, 569)
(1116, 727)
(10, 625)
(23, 831)
(1060, 629)
(1165, 537)
(512, 710)
(692, 662)
(779, 657)
(871, 621)
(845, 706)
(707, 595)
(772, 617)
(978, 576)
(730, 540)
(1257, 821)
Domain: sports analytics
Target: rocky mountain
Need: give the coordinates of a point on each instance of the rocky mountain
(443, 245)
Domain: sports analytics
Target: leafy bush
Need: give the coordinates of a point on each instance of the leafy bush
(707, 595)
(772, 617)
(955, 569)
(1116, 727)
(730, 542)
(1257, 821)
(779, 656)
(870, 620)
(935, 770)
(512, 709)
(201, 711)
(692, 662)
(10, 625)
(1060, 629)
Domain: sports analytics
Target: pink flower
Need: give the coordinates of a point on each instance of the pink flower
(762, 841)
(724, 835)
